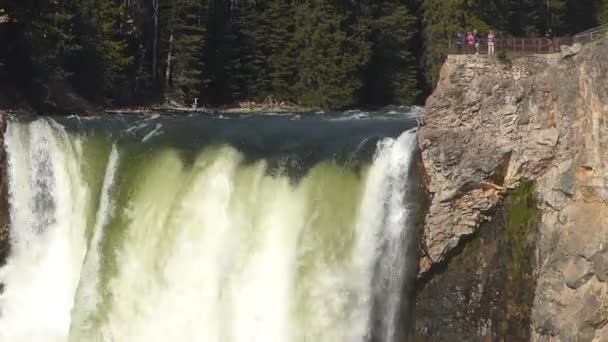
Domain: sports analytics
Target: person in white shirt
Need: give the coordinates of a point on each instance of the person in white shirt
(491, 42)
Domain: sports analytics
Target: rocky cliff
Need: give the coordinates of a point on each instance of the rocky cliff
(494, 123)
(4, 215)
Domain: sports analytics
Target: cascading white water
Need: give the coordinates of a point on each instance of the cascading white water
(112, 246)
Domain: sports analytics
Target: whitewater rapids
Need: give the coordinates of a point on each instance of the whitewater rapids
(116, 243)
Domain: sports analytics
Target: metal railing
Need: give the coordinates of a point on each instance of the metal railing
(517, 45)
(592, 34)
(537, 45)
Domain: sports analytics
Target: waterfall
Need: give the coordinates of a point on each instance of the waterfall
(126, 234)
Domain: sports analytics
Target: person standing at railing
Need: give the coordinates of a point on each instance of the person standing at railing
(491, 41)
(470, 41)
(477, 42)
(460, 42)
(549, 37)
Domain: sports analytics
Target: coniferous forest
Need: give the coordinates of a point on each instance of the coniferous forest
(320, 53)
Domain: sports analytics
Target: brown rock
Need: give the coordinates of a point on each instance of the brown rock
(544, 119)
(4, 215)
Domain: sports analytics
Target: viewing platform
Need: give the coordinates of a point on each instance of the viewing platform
(528, 45)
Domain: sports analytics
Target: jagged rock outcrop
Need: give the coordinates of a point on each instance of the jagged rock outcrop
(493, 123)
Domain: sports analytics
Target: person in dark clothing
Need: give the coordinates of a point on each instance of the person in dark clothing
(477, 42)
(459, 42)
(549, 37)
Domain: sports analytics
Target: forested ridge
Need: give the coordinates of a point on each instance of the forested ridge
(319, 53)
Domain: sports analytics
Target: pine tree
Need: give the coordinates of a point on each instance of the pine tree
(140, 34)
(391, 76)
(102, 60)
(529, 18)
(108, 50)
(223, 64)
(183, 69)
(603, 11)
(50, 32)
(248, 66)
(332, 55)
(579, 15)
(281, 47)
(112, 46)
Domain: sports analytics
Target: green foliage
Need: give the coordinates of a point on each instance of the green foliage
(520, 236)
(250, 65)
(391, 75)
(186, 40)
(282, 50)
(332, 54)
(603, 11)
(112, 46)
(104, 54)
(444, 19)
(503, 58)
(327, 53)
(520, 224)
(52, 36)
(520, 18)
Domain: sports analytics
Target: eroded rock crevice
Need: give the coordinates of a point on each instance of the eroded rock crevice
(485, 290)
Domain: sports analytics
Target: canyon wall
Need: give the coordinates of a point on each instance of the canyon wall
(4, 215)
(495, 123)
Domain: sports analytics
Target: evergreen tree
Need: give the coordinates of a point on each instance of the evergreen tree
(220, 61)
(104, 55)
(183, 69)
(329, 53)
(528, 18)
(140, 35)
(332, 55)
(579, 15)
(391, 76)
(603, 11)
(112, 46)
(50, 33)
(248, 66)
(281, 47)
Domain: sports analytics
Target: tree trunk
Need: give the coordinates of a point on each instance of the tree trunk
(155, 43)
(123, 17)
(169, 58)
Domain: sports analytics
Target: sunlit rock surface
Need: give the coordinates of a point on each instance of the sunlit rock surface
(493, 123)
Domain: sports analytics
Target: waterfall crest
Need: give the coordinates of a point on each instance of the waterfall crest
(112, 241)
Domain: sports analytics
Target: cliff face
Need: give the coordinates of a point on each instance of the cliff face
(4, 214)
(486, 291)
(492, 124)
